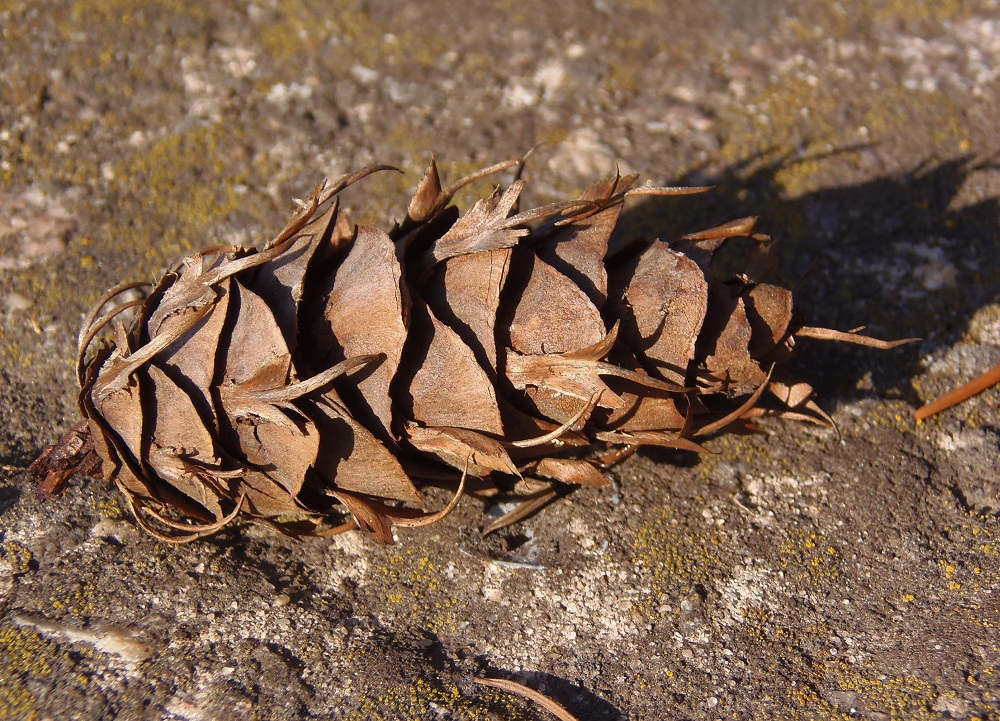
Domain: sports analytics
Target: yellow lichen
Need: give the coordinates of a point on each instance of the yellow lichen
(174, 191)
(109, 507)
(78, 600)
(671, 560)
(20, 555)
(23, 654)
(802, 560)
(906, 697)
(422, 698)
(894, 414)
(415, 586)
(915, 10)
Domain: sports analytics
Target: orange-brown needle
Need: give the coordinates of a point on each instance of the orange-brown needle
(976, 385)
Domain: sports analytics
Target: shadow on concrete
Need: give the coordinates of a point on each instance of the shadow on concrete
(9, 496)
(896, 254)
(583, 704)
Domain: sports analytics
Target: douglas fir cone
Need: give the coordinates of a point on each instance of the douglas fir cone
(338, 369)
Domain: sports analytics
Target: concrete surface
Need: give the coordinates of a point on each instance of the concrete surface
(796, 576)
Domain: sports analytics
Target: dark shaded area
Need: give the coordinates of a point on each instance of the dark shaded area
(461, 665)
(582, 703)
(9, 495)
(822, 243)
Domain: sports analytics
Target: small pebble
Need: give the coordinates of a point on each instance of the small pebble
(16, 301)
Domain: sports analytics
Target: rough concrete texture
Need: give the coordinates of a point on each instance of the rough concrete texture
(798, 575)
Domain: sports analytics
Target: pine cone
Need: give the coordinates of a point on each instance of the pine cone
(344, 367)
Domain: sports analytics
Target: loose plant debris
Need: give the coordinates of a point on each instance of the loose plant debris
(318, 383)
(529, 693)
(977, 385)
